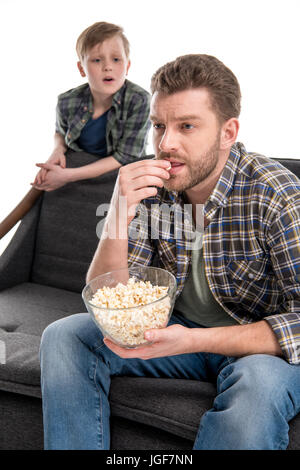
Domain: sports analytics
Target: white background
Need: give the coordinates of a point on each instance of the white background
(258, 39)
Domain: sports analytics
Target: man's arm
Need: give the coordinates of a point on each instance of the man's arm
(112, 251)
(136, 181)
(237, 340)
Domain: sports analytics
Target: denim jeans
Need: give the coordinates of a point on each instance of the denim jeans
(256, 395)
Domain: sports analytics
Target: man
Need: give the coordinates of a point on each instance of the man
(236, 314)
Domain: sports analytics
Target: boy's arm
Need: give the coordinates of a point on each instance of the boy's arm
(57, 157)
(60, 148)
(100, 167)
(58, 176)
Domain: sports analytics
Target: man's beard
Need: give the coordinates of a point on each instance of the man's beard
(198, 169)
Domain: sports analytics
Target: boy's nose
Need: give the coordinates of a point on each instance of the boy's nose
(107, 66)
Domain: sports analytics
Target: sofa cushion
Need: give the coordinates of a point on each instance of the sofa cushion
(160, 402)
(25, 311)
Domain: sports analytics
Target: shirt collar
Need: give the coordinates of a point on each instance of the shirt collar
(87, 99)
(225, 184)
(117, 97)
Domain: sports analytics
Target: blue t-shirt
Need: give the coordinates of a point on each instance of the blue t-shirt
(93, 136)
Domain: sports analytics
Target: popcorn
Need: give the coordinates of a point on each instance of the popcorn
(127, 325)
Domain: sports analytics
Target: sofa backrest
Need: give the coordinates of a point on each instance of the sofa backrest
(66, 236)
(291, 164)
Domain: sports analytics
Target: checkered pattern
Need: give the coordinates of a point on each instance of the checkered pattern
(251, 246)
(128, 121)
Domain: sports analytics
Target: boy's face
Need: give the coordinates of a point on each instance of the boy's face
(105, 65)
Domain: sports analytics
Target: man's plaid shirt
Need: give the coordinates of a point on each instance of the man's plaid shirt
(251, 245)
(128, 121)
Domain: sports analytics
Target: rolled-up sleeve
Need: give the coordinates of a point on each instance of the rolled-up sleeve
(140, 247)
(284, 239)
(61, 125)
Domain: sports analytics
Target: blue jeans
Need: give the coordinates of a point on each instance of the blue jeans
(256, 395)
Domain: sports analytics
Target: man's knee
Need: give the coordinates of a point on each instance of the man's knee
(59, 339)
(56, 332)
(253, 406)
(259, 377)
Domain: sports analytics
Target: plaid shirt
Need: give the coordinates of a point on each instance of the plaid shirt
(251, 246)
(128, 121)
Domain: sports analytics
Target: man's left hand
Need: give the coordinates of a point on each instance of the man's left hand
(170, 341)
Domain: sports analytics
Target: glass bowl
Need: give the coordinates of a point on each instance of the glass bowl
(126, 326)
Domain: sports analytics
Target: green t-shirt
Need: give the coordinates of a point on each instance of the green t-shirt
(196, 302)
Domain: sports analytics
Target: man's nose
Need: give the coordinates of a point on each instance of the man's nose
(169, 142)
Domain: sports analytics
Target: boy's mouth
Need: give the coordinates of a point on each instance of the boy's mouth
(108, 79)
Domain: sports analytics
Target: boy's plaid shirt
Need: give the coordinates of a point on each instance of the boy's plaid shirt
(128, 121)
(251, 246)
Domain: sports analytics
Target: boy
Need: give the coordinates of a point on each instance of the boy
(108, 116)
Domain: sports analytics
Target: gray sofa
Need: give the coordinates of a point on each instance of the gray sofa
(42, 273)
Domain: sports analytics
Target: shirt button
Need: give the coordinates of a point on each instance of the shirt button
(251, 276)
(83, 120)
(90, 110)
(85, 108)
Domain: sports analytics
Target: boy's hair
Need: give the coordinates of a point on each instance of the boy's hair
(201, 71)
(97, 33)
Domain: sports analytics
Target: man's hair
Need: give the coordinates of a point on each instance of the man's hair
(97, 33)
(201, 71)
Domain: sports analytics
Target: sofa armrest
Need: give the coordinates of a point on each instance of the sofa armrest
(16, 260)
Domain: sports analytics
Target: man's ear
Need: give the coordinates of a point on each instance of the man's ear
(81, 69)
(229, 132)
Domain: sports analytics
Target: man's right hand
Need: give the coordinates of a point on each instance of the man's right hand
(137, 181)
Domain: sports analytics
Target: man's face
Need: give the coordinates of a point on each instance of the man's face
(106, 66)
(187, 133)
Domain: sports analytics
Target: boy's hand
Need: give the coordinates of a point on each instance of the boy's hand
(56, 158)
(56, 177)
(170, 341)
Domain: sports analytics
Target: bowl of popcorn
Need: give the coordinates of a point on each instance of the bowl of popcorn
(127, 302)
